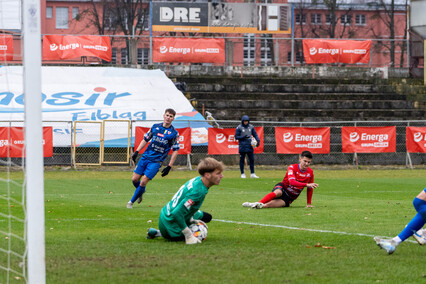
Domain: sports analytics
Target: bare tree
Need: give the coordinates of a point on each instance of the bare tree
(113, 16)
(386, 14)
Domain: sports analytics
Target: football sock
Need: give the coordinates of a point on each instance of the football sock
(397, 240)
(415, 224)
(270, 196)
(138, 193)
(420, 206)
(136, 183)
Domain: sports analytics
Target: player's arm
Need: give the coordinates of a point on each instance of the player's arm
(254, 133)
(167, 169)
(143, 143)
(310, 192)
(238, 135)
(178, 214)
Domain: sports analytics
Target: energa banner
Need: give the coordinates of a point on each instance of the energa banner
(184, 139)
(58, 47)
(369, 139)
(222, 141)
(295, 140)
(336, 51)
(415, 139)
(95, 94)
(193, 50)
(12, 142)
(6, 47)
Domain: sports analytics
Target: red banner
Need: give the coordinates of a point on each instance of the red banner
(295, 140)
(368, 139)
(6, 47)
(223, 142)
(415, 139)
(333, 51)
(57, 47)
(192, 50)
(12, 142)
(184, 139)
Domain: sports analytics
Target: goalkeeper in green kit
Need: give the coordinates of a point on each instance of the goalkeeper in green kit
(183, 209)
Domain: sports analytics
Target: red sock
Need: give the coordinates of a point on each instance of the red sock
(268, 197)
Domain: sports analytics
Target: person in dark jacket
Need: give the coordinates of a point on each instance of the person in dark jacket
(245, 133)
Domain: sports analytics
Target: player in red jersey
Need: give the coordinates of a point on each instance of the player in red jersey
(298, 177)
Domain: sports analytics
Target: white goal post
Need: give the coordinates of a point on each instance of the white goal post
(34, 167)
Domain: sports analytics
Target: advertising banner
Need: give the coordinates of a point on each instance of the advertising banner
(58, 47)
(6, 47)
(415, 139)
(12, 142)
(193, 50)
(95, 94)
(184, 139)
(336, 51)
(295, 140)
(369, 139)
(221, 17)
(222, 141)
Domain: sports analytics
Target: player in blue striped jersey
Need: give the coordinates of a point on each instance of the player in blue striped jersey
(163, 137)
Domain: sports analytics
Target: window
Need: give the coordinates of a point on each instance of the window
(345, 19)
(143, 56)
(124, 59)
(249, 49)
(49, 12)
(144, 22)
(114, 55)
(299, 57)
(300, 19)
(111, 20)
(316, 19)
(74, 12)
(360, 20)
(266, 46)
(62, 17)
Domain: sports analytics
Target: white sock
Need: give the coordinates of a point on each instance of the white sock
(397, 240)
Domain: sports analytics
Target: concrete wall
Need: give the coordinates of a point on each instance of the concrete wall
(285, 72)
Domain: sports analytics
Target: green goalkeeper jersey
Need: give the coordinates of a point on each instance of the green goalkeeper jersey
(175, 216)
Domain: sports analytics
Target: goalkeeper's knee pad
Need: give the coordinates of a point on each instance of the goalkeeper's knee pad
(206, 217)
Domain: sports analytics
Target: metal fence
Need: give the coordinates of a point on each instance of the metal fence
(64, 139)
(246, 50)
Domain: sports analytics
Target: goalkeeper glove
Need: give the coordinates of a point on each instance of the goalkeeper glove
(165, 171)
(135, 156)
(196, 221)
(189, 237)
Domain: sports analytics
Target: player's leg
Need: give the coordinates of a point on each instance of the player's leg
(413, 226)
(203, 216)
(138, 172)
(242, 158)
(276, 203)
(170, 231)
(416, 223)
(250, 156)
(420, 207)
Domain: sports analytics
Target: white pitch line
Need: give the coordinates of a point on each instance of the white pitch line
(238, 222)
(303, 229)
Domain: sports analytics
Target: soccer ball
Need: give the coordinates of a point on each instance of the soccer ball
(253, 142)
(199, 230)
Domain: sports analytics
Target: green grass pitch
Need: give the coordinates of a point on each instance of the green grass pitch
(91, 237)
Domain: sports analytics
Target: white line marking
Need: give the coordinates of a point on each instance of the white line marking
(303, 229)
(238, 222)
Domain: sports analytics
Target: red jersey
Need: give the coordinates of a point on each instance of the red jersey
(294, 173)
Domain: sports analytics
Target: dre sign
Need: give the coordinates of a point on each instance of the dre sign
(181, 14)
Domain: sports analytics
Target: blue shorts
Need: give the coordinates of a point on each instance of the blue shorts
(147, 168)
